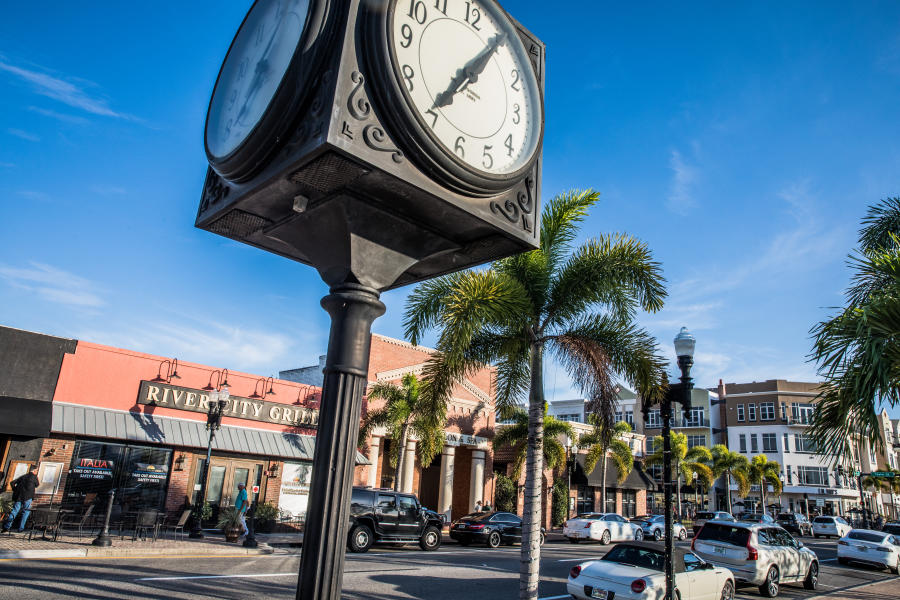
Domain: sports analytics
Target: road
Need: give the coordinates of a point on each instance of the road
(381, 574)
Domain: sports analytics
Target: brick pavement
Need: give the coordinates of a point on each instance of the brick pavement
(888, 589)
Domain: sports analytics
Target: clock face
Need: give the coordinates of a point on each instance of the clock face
(253, 70)
(468, 78)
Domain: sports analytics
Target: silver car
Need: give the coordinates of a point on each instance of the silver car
(654, 528)
(761, 554)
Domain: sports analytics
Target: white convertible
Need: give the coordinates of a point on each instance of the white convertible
(602, 527)
(636, 570)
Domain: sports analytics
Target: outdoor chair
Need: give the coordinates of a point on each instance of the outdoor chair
(45, 519)
(178, 526)
(147, 521)
(86, 519)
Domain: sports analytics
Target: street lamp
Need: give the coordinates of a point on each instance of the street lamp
(684, 350)
(218, 400)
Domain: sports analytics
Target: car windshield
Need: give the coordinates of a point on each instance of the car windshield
(590, 516)
(754, 518)
(705, 515)
(717, 532)
(866, 536)
(646, 558)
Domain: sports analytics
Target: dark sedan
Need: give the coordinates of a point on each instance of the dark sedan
(489, 528)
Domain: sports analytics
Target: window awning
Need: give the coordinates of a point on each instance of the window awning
(636, 480)
(142, 427)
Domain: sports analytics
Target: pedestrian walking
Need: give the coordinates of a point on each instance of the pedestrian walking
(241, 504)
(478, 506)
(23, 493)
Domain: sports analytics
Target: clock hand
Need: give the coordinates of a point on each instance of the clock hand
(262, 67)
(469, 72)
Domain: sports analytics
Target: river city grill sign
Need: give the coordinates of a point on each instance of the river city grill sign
(181, 398)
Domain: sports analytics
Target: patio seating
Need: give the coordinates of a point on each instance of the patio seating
(178, 526)
(45, 519)
(86, 519)
(145, 522)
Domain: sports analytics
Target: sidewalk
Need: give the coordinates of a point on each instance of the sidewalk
(888, 589)
(17, 546)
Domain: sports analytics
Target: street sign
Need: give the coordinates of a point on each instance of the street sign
(884, 474)
(255, 489)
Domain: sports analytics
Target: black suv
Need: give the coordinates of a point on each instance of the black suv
(795, 523)
(378, 515)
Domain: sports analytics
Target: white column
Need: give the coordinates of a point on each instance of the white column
(476, 481)
(409, 464)
(445, 494)
(374, 456)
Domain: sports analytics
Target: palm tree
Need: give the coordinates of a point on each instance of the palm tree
(579, 303)
(599, 442)
(876, 485)
(762, 472)
(405, 412)
(733, 466)
(515, 435)
(685, 461)
(858, 350)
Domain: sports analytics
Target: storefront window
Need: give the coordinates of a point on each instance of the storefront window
(629, 503)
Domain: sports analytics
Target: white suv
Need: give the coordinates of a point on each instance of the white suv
(829, 526)
(761, 554)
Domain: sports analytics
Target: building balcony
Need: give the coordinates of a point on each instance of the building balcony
(689, 423)
(799, 421)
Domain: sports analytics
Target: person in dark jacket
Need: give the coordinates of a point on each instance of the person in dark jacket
(23, 494)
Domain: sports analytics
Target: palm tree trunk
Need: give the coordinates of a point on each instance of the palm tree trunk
(603, 483)
(530, 557)
(728, 491)
(398, 473)
(762, 495)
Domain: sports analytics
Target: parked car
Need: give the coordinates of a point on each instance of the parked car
(795, 523)
(830, 526)
(655, 526)
(636, 570)
(602, 527)
(760, 554)
(892, 527)
(489, 528)
(702, 517)
(870, 547)
(756, 518)
(386, 516)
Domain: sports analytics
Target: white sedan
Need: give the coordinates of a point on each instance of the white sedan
(601, 527)
(636, 570)
(870, 547)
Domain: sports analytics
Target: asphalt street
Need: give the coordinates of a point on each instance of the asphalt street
(383, 573)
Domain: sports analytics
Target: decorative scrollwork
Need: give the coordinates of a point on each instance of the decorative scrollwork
(357, 103)
(319, 102)
(526, 203)
(214, 190)
(508, 210)
(375, 138)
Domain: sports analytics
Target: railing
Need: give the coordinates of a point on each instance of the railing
(802, 420)
(692, 423)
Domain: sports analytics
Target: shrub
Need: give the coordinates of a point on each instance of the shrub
(559, 507)
(266, 511)
(505, 495)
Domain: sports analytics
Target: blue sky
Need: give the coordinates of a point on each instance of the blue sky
(741, 142)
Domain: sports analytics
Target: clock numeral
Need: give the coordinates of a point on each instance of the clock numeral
(487, 160)
(509, 145)
(473, 15)
(408, 74)
(433, 116)
(406, 32)
(418, 11)
(515, 84)
(232, 98)
(441, 5)
(259, 34)
(458, 148)
(516, 117)
(242, 68)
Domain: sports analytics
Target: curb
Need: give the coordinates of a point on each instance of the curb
(113, 552)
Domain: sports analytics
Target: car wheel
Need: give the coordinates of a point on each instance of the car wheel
(769, 588)
(896, 567)
(604, 539)
(431, 539)
(638, 535)
(360, 539)
(493, 540)
(574, 540)
(657, 534)
(728, 591)
(812, 576)
(543, 537)
(683, 535)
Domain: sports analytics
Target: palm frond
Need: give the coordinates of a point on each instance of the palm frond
(560, 220)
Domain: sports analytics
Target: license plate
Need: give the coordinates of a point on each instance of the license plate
(601, 594)
(720, 550)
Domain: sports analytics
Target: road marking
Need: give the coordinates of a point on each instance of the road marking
(249, 575)
(582, 559)
(556, 597)
(135, 556)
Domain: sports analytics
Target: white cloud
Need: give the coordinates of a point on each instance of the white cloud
(33, 195)
(681, 193)
(23, 135)
(64, 91)
(53, 285)
(108, 190)
(59, 116)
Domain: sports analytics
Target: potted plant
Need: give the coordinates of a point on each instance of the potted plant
(230, 523)
(266, 514)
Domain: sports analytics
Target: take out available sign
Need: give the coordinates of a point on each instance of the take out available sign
(181, 398)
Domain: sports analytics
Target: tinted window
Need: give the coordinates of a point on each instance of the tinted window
(784, 538)
(827, 520)
(408, 505)
(841, 521)
(705, 515)
(386, 502)
(638, 557)
(866, 536)
(361, 501)
(691, 562)
(716, 532)
(786, 517)
(766, 538)
(895, 529)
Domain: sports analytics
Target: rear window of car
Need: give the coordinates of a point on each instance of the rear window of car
(646, 558)
(828, 520)
(705, 515)
(786, 517)
(895, 529)
(715, 532)
(866, 536)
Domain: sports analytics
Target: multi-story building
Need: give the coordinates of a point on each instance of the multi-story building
(575, 410)
(772, 418)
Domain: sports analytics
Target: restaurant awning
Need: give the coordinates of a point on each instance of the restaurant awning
(142, 427)
(636, 480)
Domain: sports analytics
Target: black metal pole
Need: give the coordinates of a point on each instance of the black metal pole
(352, 308)
(666, 414)
(196, 532)
(103, 539)
(862, 501)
